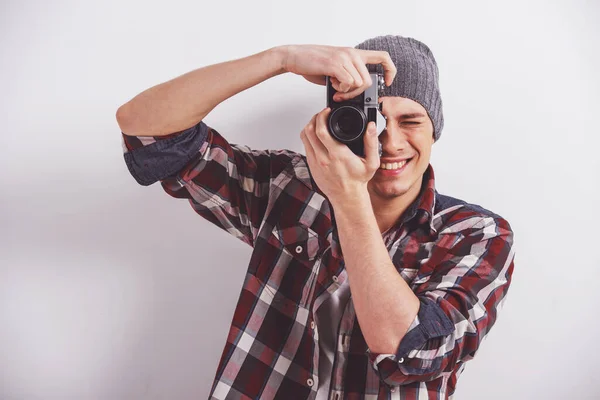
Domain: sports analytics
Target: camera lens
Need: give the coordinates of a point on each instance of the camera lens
(347, 123)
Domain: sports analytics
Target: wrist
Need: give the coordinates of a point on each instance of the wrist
(281, 55)
(352, 201)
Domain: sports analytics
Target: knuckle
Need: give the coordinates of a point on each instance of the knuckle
(358, 59)
(340, 57)
(343, 159)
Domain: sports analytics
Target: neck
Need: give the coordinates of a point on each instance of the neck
(388, 210)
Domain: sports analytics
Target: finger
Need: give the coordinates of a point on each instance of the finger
(310, 152)
(323, 136)
(364, 73)
(365, 76)
(336, 84)
(371, 142)
(304, 136)
(365, 79)
(340, 87)
(383, 58)
(358, 81)
(349, 95)
(344, 78)
(318, 147)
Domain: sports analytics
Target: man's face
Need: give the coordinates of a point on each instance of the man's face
(408, 137)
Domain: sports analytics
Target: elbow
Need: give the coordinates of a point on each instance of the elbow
(123, 117)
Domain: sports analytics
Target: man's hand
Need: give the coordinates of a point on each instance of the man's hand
(345, 65)
(338, 172)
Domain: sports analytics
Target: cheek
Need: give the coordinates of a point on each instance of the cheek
(424, 151)
(422, 145)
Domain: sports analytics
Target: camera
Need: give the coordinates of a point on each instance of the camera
(348, 119)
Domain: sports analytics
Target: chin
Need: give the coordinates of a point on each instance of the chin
(393, 187)
(390, 189)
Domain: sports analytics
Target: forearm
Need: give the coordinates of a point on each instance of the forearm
(385, 305)
(179, 103)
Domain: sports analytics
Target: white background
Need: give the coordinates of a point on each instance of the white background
(110, 290)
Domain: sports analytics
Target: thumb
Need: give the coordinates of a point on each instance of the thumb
(372, 146)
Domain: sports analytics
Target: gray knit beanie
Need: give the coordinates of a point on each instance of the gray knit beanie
(417, 74)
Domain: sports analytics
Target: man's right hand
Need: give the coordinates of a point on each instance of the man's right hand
(345, 65)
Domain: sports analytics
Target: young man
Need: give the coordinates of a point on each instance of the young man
(364, 281)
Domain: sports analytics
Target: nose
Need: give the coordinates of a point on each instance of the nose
(393, 141)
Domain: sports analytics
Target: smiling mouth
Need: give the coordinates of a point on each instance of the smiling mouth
(394, 166)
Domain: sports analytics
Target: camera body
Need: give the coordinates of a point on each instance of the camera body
(348, 119)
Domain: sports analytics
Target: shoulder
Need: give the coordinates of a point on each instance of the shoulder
(454, 215)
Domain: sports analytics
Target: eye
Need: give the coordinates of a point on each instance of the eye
(411, 122)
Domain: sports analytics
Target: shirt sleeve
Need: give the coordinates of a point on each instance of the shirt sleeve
(470, 275)
(226, 184)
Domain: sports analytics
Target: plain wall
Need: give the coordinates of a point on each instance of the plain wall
(111, 290)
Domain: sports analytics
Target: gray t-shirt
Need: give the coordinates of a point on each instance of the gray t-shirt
(327, 319)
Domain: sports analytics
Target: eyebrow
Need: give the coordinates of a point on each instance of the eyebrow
(411, 115)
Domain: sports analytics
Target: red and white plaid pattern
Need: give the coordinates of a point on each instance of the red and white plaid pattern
(456, 257)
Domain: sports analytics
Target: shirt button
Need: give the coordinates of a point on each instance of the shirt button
(401, 360)
(298, 249)
(312, 324)
(309, 382)
(335, 278)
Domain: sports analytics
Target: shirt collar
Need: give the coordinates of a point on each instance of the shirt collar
(421, 209)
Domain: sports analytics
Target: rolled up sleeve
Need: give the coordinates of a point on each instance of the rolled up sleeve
(151, 159)
(227, 184)
(459, 302)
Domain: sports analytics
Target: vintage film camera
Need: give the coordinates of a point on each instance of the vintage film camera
(348, 119)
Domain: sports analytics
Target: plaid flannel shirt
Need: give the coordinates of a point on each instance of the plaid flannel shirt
(456, 257)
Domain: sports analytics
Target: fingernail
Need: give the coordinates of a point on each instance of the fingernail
(372, 129)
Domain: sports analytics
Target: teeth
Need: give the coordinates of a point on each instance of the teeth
(393, 165)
